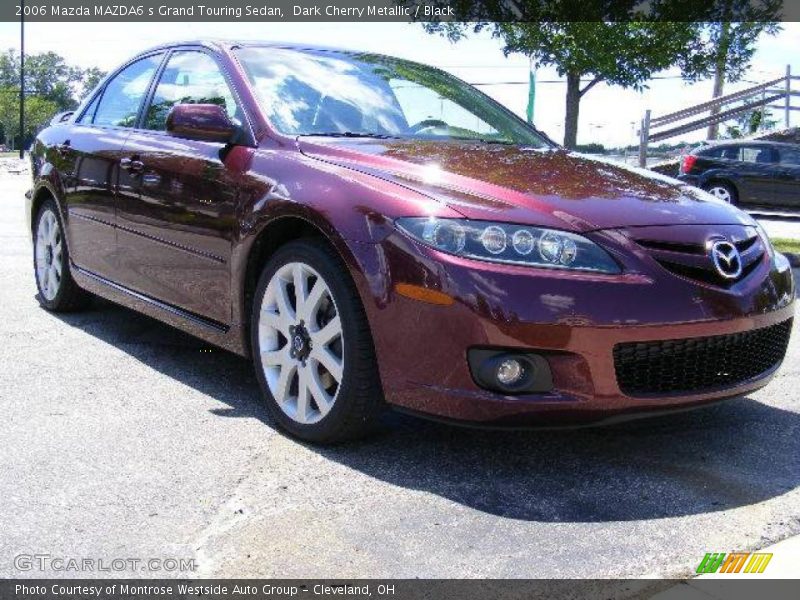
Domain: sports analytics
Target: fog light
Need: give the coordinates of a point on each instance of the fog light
(510, 372)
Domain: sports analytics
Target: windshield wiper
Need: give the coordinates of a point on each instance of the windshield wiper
(352, 134)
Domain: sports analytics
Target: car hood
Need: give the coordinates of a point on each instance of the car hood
(551, 188)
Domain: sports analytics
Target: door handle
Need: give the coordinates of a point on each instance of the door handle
(131, 164)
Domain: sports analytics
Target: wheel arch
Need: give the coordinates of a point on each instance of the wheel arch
(42, 192)
(271, 236)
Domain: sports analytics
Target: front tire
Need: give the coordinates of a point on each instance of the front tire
(312, 348)
(58, 291)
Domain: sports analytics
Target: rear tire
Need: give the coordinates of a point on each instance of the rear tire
(58, 291)
(722, 190)
(313, 351)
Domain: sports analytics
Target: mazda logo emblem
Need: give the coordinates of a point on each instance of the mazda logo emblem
(298, 343)
(726, 259)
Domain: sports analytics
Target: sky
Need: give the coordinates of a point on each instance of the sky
(608, 115)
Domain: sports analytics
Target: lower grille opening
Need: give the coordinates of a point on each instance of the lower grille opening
(694, 365)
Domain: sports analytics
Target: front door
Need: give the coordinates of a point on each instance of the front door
(177, 208)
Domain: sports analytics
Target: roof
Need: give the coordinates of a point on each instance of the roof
(218, 44)
(746, 142)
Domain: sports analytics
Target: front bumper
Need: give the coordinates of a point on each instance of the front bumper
(573, 319)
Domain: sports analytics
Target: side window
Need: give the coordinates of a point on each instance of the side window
(757, 154)
(88, 114)
(123, 95)
(189, 78)
(711, 153)
(731, 153)
(790, 156)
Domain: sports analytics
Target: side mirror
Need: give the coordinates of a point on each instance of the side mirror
(202, 122)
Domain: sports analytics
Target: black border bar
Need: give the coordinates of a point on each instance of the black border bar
(397, 10)
(395, 589)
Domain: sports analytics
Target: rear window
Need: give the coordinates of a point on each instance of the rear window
(724, 152)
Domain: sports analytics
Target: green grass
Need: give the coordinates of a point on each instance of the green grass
(786, 245)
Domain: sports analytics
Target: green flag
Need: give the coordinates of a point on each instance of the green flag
(531, 92)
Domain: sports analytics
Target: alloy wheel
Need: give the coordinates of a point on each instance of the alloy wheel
(720, 192)
(301, 343)
(49, 255)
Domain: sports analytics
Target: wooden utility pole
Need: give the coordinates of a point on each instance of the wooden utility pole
(22, 80)
(644, 135)
(787, 106)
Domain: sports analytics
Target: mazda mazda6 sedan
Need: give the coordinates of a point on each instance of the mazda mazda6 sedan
(375, 232)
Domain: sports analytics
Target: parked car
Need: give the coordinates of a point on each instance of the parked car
(753, 172)
(373, 231)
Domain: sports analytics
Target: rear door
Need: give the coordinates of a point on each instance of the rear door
(177, 211)
(88, 157)
(756, 170)
(787, 177)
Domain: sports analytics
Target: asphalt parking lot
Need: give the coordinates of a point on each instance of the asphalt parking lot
(124, 438)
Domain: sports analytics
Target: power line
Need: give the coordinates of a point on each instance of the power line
(538, 81)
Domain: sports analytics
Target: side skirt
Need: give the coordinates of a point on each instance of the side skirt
(230, 338)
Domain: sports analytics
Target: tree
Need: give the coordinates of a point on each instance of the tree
(49, 76)
(51, 86)
(38, 111)
(626, 54)
(725, 45)
(9, 113)
(588, 42)
(749, 123)
(89, 80)
(9, 69)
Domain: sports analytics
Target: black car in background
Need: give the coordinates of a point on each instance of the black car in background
(763, 173)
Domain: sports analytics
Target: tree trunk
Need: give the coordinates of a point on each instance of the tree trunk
(573, 107)
(719, 75)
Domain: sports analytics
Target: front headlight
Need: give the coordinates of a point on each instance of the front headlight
(765, 239)
(510, 244)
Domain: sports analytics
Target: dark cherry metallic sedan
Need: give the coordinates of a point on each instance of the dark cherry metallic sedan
(374, 231)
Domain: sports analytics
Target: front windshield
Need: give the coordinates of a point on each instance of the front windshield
(333, 93)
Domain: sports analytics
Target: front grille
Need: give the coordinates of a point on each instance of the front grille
(707, 275)
(694, 365)
(690, 259)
